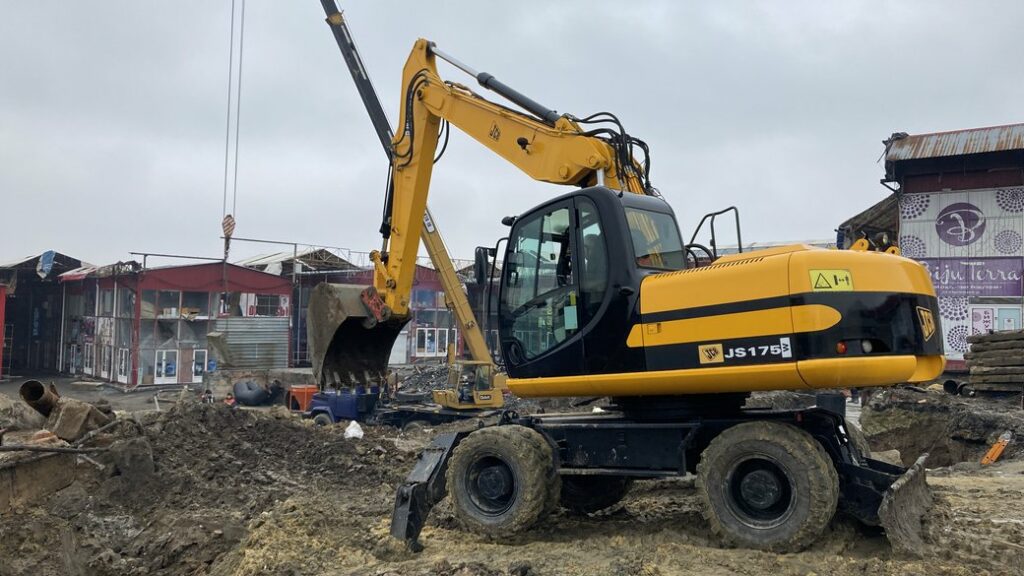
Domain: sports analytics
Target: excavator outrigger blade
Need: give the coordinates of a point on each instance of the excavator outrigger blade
(350, 335)
(903, 507)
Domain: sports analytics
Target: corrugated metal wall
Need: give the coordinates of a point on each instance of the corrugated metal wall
(257, 342)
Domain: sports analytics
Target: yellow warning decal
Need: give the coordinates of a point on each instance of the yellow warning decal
(831, 280)
(710, 354)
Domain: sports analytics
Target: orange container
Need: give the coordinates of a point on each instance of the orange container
(300, 396)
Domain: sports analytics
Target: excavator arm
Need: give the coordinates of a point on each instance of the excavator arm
(549, 148)
(544, 144)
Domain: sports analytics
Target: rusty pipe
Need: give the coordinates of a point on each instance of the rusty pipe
(39, 397)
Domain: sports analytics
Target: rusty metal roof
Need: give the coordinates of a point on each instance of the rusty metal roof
(942, 144)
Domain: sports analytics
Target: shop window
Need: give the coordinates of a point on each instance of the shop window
(106, 302)
(431, 342)
(267, 304)
(147, 334)
(442, 341)
(193, 334)
(147, 365)
(195, 304)
(89, 300)
(106, 361)
(229, 304)
(166, 333)
(423, 299)
(125, 302)
(123, 333)
(148, 308)
(88, 357)
(169, 302)
(124, 364)
(442, 318)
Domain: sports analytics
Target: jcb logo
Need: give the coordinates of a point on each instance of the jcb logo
(927, 322)
(710, 354)
(495, 132)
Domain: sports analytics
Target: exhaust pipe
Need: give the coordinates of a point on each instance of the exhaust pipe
(39, 397)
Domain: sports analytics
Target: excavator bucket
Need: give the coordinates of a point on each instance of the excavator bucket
(903, 508)
(348, 344)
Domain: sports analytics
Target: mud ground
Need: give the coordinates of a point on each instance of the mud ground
(243, 493)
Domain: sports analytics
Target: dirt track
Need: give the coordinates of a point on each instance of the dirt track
(241, 493)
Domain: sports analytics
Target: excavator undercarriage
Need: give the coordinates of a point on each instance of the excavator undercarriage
(600, 453)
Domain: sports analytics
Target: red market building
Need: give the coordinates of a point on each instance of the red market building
(136, 326)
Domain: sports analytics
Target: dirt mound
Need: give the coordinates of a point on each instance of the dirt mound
(208, 490)
(213, 470)
(951, 429)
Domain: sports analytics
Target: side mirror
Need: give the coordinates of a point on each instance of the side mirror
(481, 264)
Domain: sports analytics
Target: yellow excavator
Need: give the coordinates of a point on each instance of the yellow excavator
(599, 296)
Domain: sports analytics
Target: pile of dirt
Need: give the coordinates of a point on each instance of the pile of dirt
(207, 490)
(951, 429)
(177, 499)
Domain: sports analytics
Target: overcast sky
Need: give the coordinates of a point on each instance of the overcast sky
(112, 113)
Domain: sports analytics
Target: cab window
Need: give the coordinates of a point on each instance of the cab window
(656, 241)
(539, 296)
(594, 257)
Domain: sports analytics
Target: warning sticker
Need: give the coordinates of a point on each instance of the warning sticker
(831, 280)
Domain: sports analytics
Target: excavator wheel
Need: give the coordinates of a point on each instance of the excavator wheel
(767, 485)
(589, 494)
(502, 480)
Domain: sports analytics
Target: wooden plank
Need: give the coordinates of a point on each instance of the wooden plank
(996, 336)
(1017, 379)
(996, 370)
(1005, 345)
(1005, 361)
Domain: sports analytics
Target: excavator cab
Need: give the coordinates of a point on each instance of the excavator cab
(571, 278)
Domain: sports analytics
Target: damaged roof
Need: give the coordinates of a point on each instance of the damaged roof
(902, 146)
(311, 258)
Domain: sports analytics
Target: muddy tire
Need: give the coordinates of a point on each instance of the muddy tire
(589, 494)
(768, 486)
(415, 426)
(322, 419)
(501, 480)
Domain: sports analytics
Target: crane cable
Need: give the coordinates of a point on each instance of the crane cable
(229, 175)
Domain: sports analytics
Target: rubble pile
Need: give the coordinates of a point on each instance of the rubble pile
(178, 497)
(422, 380)
(996, 361)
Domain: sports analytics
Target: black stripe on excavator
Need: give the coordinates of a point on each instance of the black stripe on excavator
(890, 322)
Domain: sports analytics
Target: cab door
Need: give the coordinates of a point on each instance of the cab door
(539, 300)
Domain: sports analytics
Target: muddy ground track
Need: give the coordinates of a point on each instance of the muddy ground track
(241, 493)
